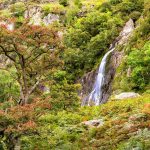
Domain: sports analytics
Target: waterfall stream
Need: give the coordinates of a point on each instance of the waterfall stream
(96, 95)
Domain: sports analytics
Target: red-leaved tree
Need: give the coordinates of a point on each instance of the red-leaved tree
(33, 50)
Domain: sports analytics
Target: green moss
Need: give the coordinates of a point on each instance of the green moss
(52, 8)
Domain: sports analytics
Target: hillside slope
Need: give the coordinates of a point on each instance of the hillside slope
(50, 51)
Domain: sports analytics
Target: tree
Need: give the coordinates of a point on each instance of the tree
(33, 50)
(139, 61)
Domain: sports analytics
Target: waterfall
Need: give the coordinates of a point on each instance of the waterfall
(96, 95)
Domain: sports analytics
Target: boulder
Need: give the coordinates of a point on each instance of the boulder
(93, 123)
(50, 18)
(36, 16)
(127, 95)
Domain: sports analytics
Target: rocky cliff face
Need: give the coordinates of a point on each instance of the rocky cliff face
(88, 80)
(37, 17)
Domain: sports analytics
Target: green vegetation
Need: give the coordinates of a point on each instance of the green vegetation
(64, 2)
(40, 67)
(88, 39)
(126, 125)
(50, 8)
(9, 87)
(139, 61)
(18, 8)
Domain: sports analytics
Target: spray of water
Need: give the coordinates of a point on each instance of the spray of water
(95, 96)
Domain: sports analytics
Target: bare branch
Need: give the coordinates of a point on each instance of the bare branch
(6, 53)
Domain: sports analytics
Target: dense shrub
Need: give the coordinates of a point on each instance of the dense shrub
(5, 13)
(64, 95)
(106, 6)
(9, 87)
(115, 1)
(139, 61)
(50, 8)
(125, 127)
(88, 39)
(71, 15)
(135, 15)
(64, 2)
(18, 9)
(78, 3)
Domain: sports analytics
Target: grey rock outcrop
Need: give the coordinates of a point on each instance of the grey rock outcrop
(93, 123)
(87, 82)
(125, 33)
(127, 95)
(50, 18)
(36, 16)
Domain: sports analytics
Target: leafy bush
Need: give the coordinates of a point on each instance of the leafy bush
(140, 141)
(135, 15)
(9, 87)
(52, 8)
(78, 3)
(64, 129)
(139, 61)
(64, 2)
(132, 5)
(105, 7)
(115, 1)
(18, 9)
(64, 95)
(5, 13)
(88, 39)
(71, 15)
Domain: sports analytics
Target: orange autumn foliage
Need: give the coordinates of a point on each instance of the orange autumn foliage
(146, 108)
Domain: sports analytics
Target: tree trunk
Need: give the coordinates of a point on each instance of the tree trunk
(17, 145)
(25, 94)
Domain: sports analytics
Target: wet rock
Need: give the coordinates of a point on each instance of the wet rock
(87, 82)
(127, 95)
(93, 123)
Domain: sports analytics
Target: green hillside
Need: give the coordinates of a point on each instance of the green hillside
(50, 52)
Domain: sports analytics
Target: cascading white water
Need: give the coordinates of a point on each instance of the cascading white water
(96, 95)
